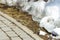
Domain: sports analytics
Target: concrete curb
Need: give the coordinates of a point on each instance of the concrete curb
(21, 26)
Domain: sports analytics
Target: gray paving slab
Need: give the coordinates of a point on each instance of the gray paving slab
(3, 36)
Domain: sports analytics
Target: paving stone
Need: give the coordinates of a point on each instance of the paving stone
(6, 28)
(16, 38)
(1, 18)
(6, 21)
(2, 24)
(11, 34)
(3, 36)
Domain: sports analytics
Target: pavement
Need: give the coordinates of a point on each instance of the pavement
(10, 29)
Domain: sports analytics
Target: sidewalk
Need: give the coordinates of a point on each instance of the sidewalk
(10, 29)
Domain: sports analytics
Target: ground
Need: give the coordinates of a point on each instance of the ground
(9, 30)
(22, 17)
